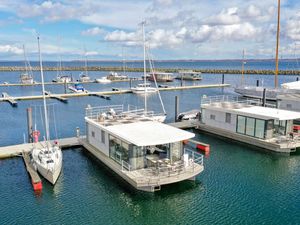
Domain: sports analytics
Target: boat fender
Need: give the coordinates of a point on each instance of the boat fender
(36, 135)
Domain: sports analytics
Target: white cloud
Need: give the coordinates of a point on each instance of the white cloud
(10, 49)
(292, 29)
(93, 31)
(122, 36)
(225, 17)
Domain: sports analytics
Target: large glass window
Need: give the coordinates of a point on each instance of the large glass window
(241, 122)
(260, 128)
(118, 150)
(250, 124)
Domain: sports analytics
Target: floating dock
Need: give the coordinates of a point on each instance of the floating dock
(107, 93)
(6, 97)
(56, 96)
(35, 178)
(15, 150)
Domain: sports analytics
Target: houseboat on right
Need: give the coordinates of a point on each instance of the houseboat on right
(247, 121)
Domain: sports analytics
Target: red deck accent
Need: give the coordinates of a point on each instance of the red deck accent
(37, 186)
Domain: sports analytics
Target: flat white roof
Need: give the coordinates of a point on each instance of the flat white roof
(268, 113)
(149, 133)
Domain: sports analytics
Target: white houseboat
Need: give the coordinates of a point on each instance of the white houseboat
(246, 121)
(289, 102)
(188, 75)
(160, 77)
(145, 153)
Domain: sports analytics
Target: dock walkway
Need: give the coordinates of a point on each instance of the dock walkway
(14, 150)
(108, 93)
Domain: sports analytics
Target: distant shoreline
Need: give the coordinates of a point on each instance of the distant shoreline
(171, 70)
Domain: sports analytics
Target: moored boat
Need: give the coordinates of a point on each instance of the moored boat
(188, 75)
(77, 88)
(46, 156)
(143, 89)
(116, 76)
(160, 77)
(103, 80)
(145, 153)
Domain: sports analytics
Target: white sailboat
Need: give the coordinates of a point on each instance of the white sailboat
(60, 77)
(46, 157)
(84, 76)
(27, 76)
(146, 88)
(271, 93)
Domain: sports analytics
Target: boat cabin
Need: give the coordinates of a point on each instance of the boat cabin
(145, 153)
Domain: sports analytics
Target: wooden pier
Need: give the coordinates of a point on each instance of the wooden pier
(35, 178)
(6, 97)
(107, 97)
(56, 96)
(107, 93)
(15, 150)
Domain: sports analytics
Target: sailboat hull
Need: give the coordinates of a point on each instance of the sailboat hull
(48, 165)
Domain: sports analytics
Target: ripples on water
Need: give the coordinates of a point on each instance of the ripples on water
(240, 184)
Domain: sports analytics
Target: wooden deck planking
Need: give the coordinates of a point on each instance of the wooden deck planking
(30, 169)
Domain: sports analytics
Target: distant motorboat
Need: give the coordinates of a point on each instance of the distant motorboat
(103, 80)
(62, 79)
(25, 78)
(189, 75)
(144, 88)
(77, 88)
(116, 76)
(84, 78)
(189, 115)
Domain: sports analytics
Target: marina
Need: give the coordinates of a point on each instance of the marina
(189, 116)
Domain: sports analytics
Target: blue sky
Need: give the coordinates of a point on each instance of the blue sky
(176, 29)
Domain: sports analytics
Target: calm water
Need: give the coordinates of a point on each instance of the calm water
(240, 185)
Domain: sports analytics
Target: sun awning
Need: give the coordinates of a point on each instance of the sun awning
(149, 133)
(268, 113)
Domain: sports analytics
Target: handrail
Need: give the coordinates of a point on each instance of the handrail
(162, 172)
(125, 166)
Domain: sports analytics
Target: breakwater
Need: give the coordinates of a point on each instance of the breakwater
(170, 70)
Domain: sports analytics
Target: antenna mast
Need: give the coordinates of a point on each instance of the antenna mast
(277, 45)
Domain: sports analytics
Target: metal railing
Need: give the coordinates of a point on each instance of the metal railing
(155, 174)
(234, 100)
(126, 166)
(117, 112)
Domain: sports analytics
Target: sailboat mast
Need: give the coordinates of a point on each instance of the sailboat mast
(43, 89)
(26, 69)
(277, 45)
(243, 64)
(144, 42)
(86, 70)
